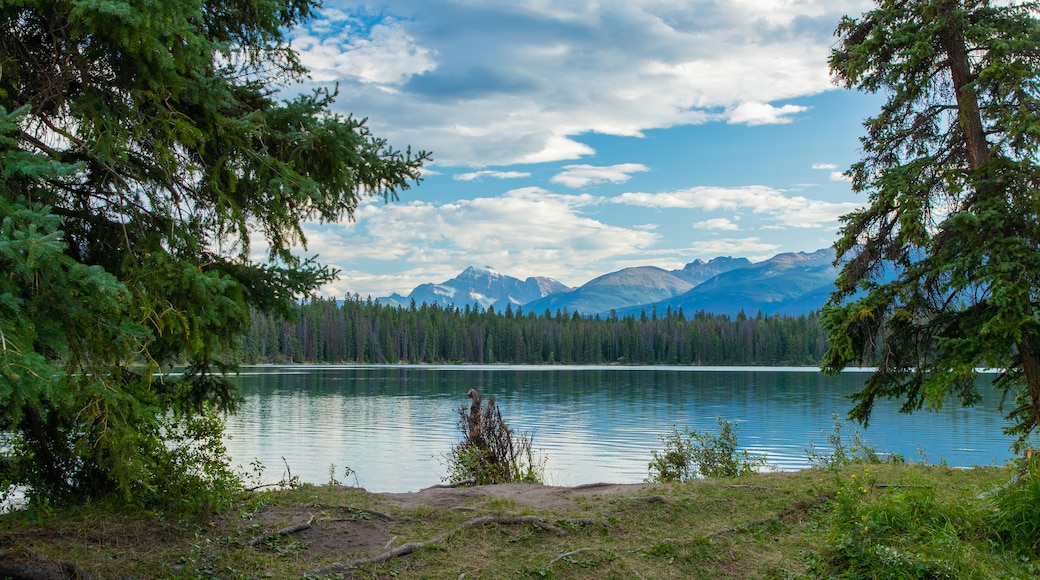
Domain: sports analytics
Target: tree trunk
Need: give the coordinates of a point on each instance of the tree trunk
(36, 431)
(968, 117)
(1030, 358)
(977, 149)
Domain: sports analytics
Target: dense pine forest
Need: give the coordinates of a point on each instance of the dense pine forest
(363, 331)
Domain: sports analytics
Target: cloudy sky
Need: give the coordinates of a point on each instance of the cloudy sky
(572, 138)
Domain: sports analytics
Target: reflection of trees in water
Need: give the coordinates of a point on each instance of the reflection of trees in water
(602, 421)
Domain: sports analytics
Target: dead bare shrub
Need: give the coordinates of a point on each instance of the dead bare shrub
(490, 452)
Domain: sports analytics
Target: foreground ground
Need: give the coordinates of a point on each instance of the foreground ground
(777, 525)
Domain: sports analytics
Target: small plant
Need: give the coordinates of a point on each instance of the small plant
(689, 454)
(490, 451)
(676, 462)
(288, 479)
(255, 476)
(347, 473)
(843, 453)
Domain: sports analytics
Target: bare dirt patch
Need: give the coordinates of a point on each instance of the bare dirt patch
(326, 529)
(336, 537)
(525, 495)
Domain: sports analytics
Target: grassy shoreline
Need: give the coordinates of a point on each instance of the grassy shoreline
(862, 520)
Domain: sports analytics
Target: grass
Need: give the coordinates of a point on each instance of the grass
(851, 521)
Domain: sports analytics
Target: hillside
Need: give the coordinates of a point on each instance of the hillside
(481, 286)
(790, 283)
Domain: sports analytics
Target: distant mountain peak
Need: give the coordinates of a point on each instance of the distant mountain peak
(481, 286)
(699, 271)
(788, 283)
(792, 282)
(822, 254)
(485, 270)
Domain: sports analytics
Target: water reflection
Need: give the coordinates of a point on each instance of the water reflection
(393, 424)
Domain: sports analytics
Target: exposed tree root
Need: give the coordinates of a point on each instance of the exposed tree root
(382, 516)
(460, 483)
(586, 522)
(593, 485)
(356, 513)
(405, 549)
(282, 532)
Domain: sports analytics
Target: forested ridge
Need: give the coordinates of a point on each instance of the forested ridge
(326, 330)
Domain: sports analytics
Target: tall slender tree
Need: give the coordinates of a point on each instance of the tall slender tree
(941, 270)
(142, 149)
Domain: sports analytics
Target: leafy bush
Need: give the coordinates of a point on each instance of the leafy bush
(855, 450)
(688, 454)
(900, 530)
(490, 451)
(192, 472)
(188, 469)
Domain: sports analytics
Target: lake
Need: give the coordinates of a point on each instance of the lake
(393, 424)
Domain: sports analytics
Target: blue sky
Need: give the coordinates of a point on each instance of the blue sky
(575, 138)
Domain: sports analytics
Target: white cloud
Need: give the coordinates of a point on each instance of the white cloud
(484, 82)
(832, 169)
(475, 175)
(576, 176)
(334, 50)
(763, 114)
(524, 232)
(554, 148)
(753, 248)
(789, 211)
(717, 224)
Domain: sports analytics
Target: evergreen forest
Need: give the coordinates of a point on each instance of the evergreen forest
(326, 330)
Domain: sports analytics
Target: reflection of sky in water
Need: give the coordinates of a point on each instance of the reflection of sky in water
(393, 424)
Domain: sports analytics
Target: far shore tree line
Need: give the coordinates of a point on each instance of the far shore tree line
(326, 330)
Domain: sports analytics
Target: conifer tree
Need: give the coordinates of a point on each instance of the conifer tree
(143, 150)
(941, 270)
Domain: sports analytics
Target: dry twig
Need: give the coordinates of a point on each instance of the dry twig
(282, 532)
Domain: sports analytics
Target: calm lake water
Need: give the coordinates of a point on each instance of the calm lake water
(393, 424)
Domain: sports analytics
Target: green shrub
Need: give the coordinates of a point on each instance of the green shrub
(689, 454)
(1016, 519)
(903, 530)
(855, 450)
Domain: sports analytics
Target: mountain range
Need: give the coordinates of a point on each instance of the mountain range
(790, 283)
(482, 286)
